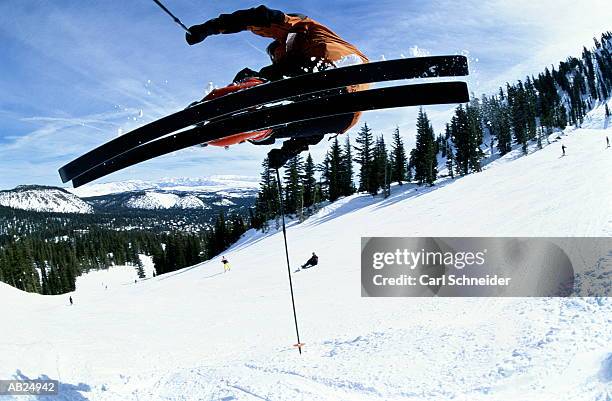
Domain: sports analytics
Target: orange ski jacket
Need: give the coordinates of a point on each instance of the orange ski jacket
(303, 44)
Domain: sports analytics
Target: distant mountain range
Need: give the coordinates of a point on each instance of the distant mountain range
(229, 185)
(168, 194)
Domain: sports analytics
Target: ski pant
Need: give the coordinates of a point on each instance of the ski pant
(307, 265)
(303, 134)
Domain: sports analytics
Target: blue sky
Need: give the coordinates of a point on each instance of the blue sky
(75, 74)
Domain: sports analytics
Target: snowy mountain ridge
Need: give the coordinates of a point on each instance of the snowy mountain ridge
(124, 195)
(43, 199)
(159, 200)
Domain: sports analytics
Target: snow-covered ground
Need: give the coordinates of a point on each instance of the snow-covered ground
(201, 334)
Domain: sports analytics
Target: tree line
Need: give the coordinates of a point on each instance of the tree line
(50, 265)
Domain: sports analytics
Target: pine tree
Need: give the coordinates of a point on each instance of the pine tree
(364, 156)
(450, 160)
(236, 229)
(309, 182)
(294, 170)
(587, 57)
(466, 134)
(518, 107)
(218, 240)
(530, 108)
(398, 159)
(475, 135)
(502, 125)
(348, 187)
(336, 170)
(424, 155)
(266, 204)
(324, 170)
(459, 135)
(379, 172)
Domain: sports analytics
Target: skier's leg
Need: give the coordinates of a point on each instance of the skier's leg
(305, 133)
(319, 126)
(291, 148)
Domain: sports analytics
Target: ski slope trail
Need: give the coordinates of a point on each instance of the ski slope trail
(201, 334)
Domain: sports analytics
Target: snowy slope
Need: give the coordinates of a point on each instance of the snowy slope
(596, 118)
(190, 202)
(200, 334)
(43, 199)
(153, 200)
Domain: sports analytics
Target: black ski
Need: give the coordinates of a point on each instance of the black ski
(421, 67)
(397, 96)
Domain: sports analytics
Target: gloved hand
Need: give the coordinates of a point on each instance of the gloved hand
(198, 33)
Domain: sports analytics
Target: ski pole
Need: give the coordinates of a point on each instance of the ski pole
(280, 200)
(178, 21)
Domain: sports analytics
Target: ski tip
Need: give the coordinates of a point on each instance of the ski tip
(63, 174)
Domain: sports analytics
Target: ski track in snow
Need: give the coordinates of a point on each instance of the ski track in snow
(200, 334)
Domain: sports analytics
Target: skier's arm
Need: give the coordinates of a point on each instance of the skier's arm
(237, 21)
(240, 20)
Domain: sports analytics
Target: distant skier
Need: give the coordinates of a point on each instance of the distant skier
(563, 149)
(607, 142)
(226, 265)
(300, 45)
(313, 261)
(70, 298)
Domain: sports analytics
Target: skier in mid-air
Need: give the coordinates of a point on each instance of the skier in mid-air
(300, 45)
(313, 261)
